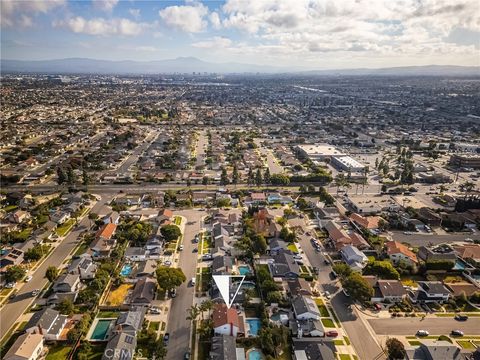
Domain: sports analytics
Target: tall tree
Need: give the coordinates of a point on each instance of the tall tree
(169, 278)
(235, 176)
(395, 349)
(224, 177)
(61, 176)
(251, 177)
(258, 178)
(266, 176)
(52, 273)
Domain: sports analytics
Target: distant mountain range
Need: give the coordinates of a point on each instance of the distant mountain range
(192, 64)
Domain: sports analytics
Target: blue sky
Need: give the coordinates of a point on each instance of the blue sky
(315, 34)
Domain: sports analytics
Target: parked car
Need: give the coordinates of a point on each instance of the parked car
(10, 285)
(180, 247)
(166, 337)
(422, 333)
(327, 294)
(173, 293)
(326, 262)
(333, 275)
(167, 263)
(456, 333)
(155, 310)
(461, 317)
(332, 333)
(195, 250)
(28, 278)
(345, 293)
(35, 292)
(469, 240)
(187, 355)
(193, 281)
(207, 257)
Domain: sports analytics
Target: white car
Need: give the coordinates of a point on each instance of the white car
(10, 285)
(28, 278)
(167, 263)
(180, 248)
(327, 294)
(469, 240)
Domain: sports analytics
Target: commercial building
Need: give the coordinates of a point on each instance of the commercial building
(319, 152)
(465, 160)
(347, 163)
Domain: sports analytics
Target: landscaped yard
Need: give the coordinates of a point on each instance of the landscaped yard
(154, 325)
(322, 308)
(108, 314)
(206, 243)
(9, 208)
(177, 220)
(344, 357)
(117, 296)
(328, 323)
(59, 352)
(63, 229)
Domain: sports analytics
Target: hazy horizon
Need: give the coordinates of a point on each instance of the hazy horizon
(311, 35)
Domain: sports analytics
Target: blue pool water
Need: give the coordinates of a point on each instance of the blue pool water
(459, 265)
(244, 270)
(255, 355)
(101, 329)
(126, 270)
(254, 325)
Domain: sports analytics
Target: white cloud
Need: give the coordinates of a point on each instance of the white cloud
(216, 42)
(185, 18)
(101, 26)
(135, 13)
(215, 20)
(19, 13)
(105, 5)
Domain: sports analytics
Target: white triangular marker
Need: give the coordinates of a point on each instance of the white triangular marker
(223, 284)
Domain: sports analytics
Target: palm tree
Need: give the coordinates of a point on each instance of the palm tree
(442, 189)
(366, 170)
(340, 181)
(193, 312)
(467, 187)
(206, 305)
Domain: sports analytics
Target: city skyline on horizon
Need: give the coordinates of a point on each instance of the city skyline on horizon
(308, 35)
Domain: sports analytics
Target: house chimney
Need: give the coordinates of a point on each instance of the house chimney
(231, 329)
(40, 329)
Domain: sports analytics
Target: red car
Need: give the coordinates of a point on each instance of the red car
(332, 333)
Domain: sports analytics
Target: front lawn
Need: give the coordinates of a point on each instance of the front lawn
(154, 325)
(465, 344)
(117, 296)
(63, 229)
(328, 323)
(59, 352)
(177, 220)
(344, 357)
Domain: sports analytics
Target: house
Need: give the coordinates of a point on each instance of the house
(59, 217)
(388, 290)
(130, 322)
(397, 252)
(135, 254)
(28, 346)
(277, 245)
(226, 321)
(144, 291)
(67, 283)
(276, 198)
(337, 235)
(120, 346)
(312, 328)
(202, 197)
(313, 351)
(298, 286)
(305, 308)
(258, 198)
(430, 291)
(429, 217)
(146, 268)
(154, 243)
(11, 256)
(223, 347)
(468, 252)
(111, 218)
(354, 258)
(433, 350)
(129, 200)
(284, 266)
(366, 222)
(48, 322)
(165, 216)
(264, 223)
(222, 265)
(442, 252)
(20, 216)
(103, 244)
(459, 288)
(83, 266)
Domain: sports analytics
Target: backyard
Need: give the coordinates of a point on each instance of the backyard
(117, 296)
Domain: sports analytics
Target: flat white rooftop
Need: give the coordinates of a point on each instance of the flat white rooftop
(321, 150)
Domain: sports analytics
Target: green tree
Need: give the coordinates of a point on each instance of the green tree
(235, 175)
(224, 177)
(205, 306)
(258, 178)
(279, 179)
(342, 270)
(223, 202)
(85, 178)
(357, 287)
(382, 269)
(170, 232)
(205, 180)
(251, 177)
(66, 307)
(266, 176)
(14, 273)
(395, 349)
(52, 273)
(61, 176)
(169, 278)
(193, 313)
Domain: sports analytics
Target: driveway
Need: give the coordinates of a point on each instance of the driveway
(435, 326)
(178, 326)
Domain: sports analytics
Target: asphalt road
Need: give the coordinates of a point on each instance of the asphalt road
(178, 326)
(13, 310)
(360, 337)
(435, 326)
(273, 166)
(200, 149)
(420, 239)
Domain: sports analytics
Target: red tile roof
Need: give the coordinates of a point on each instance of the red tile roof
(394, 247)
(107, 231)
(223, 315)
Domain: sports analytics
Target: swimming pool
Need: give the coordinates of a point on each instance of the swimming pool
(254, 325)
(255, 354)
(248, 284)
(126, 270)
(100, 332)
(244, 269)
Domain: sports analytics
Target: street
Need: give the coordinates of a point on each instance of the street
(421, 239)
(178, 326)
(435, 326)
(362, 339)
(12, 310)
